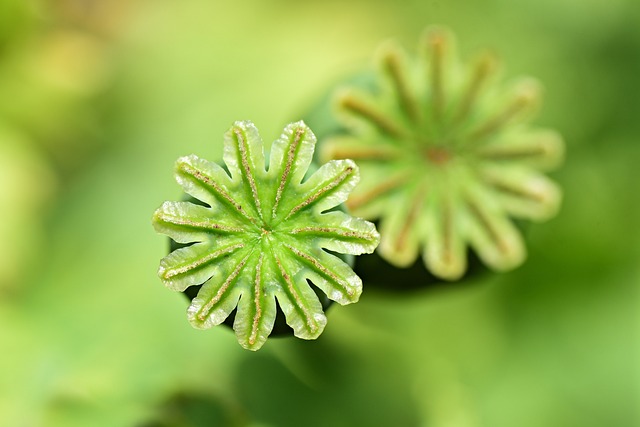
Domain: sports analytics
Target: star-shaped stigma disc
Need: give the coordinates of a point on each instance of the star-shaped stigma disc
(447, 158)
(264, 235)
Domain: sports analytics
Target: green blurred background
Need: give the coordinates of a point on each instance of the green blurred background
(97, 100)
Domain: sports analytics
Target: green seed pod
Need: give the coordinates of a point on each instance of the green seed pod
(266, 229)
(448, 160)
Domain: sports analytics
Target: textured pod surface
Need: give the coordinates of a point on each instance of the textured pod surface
(280, 327)
(447, 158)
(263, 235)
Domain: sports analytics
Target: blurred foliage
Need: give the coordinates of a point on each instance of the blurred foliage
(91, 90)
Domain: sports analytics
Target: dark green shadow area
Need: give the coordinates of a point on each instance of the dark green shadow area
(327, 386)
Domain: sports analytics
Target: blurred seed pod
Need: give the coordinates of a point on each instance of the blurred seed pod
(449, 160)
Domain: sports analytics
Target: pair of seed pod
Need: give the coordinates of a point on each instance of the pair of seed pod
(444, 162)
